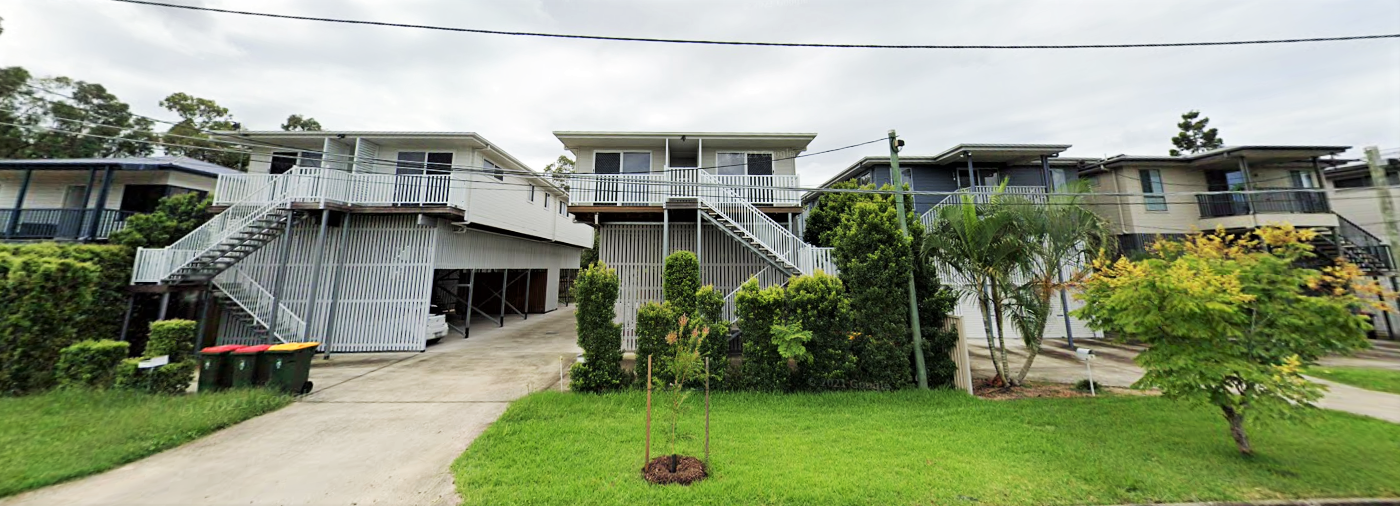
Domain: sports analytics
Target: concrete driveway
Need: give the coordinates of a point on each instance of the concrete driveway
(1113, 365)
(377, 429)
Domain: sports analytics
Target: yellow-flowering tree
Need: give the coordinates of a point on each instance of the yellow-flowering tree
(1231, 320)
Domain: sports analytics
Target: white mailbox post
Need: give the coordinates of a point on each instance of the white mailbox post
(1087, 355)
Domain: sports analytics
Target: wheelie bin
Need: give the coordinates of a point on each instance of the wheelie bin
(244, 364)
(214, 368)
(289, 366)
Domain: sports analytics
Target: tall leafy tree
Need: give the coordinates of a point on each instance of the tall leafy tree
(1196, 135)
(88, 121)
(189, 136)
(1232, 320)
(174, 217)
(296, 123)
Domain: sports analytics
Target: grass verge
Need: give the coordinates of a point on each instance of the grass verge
(62, 435)
(1380, 380)
(921, 448)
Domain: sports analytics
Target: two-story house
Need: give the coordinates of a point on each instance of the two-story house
(732, 198)
(366, 241)
(1030, 170)
(1239, 188)
(86, 199)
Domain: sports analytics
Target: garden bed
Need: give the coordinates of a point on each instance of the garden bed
(913, 447)
(62, 435)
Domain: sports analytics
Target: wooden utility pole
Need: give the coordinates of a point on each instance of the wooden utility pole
(898, 181)
(1381, 183)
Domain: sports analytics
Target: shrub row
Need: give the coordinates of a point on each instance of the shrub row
(595, 292)
(42, 303)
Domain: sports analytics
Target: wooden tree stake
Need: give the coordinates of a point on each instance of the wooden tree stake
(707, 411)
(648, 452)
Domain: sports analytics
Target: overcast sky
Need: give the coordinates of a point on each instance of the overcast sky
(517, 90)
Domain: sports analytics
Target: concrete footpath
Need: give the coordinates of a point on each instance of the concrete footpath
(378, 428)
(1113, 365)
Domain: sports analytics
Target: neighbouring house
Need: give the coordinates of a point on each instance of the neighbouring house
(86, 199)
(1030, 170)
(1355, 195)
(372, 241)
(1239, 188)
(732, 198)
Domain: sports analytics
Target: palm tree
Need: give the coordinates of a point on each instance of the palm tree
(1059, 235)
(977, 243)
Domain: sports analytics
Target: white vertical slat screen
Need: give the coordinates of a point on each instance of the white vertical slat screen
(384, 289)
(634, 250)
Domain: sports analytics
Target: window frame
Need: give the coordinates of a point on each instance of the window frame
(622, 160)
(772, 161)
(495, 170)
(1152, 202)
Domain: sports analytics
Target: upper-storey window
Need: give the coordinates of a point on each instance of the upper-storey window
(1304, 179)
(622, 162)
(495, 171)
(744, 164)
(283, 161)
(1152, 183)
(421, 162)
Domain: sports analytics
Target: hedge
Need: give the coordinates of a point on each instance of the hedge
(172, 338)
(595, 293)
(91, 364)
(654, 321)
(818, 302)
(680, 281)
(102, 319)
(757, 311)
(41, 303)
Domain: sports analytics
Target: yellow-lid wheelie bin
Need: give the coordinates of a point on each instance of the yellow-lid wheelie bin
(289, 366)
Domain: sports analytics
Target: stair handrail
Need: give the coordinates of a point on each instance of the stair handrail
(715, 196)
(200, 240)
(261, 303)
(1352, 234)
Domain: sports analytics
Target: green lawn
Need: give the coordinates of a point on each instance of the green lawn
(58, 436)
(921, 448)
(1380, 380)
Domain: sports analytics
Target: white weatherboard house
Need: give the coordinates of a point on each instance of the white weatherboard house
(368, 241)
(733, 198)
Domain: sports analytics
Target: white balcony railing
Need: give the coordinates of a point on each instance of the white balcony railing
(654, 188)
(982, 195)
(331, 185)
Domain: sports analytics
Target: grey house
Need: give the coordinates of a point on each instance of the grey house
(977, 169)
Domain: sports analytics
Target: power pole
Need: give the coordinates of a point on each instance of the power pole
(895, 176)
(1381, 182)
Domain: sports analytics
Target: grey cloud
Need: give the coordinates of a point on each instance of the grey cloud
(516, 90)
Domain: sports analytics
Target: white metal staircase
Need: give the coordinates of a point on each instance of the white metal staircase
(733, 213)
(209, 254)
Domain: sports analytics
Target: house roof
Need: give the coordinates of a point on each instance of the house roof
(756, 140)
(993, 153)
(1226, 156)
(175, 163)
(314, 141)
(1390, 159)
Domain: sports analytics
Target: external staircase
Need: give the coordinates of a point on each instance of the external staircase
(1353, 243)
(210, 254)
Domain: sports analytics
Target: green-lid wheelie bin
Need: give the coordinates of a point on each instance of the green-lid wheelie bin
(244, 365)
(289, 366)
(214, 368)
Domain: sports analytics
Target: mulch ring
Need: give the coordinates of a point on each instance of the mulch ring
(1044, 391)
(688, 470)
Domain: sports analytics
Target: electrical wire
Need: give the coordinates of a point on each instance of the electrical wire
(612, 38)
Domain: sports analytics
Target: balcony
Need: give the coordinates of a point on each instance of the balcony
(655, 188)
(341, 187)
(61, 224)
(1221, 205)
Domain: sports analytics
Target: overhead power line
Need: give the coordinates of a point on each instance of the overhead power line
(613, 38)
